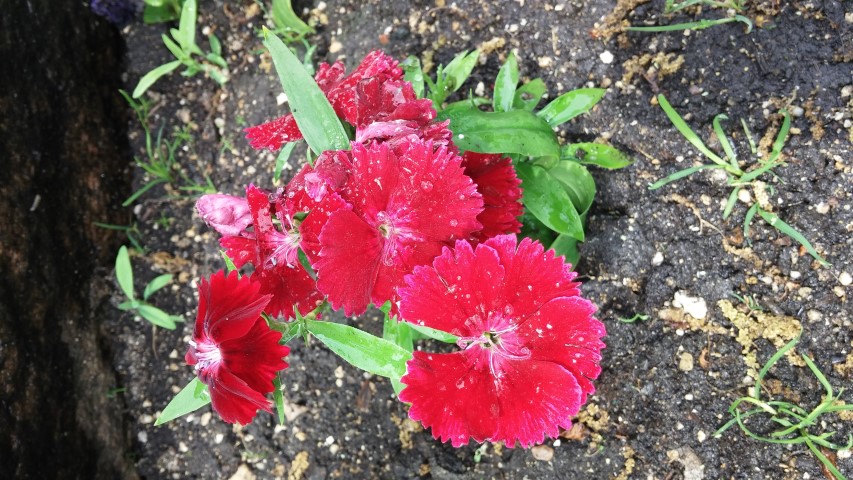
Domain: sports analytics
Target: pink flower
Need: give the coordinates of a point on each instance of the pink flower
(374, 98)
(499, 185)
(529, 345)
(274, 255)
(227, 214)
(405, 206)
(233, 350)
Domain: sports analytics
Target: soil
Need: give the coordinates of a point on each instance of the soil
(668, 380)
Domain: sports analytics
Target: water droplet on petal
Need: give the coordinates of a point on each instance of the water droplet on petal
(461, 383)
(453, 223)
(426, 185)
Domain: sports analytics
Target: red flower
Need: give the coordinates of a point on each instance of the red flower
(233, 350)
(530, 346)
(374, 98)
(406, 205)
(274, 255)
(499, 185)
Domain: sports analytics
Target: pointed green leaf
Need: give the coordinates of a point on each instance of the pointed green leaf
(281, 160)
(597, 154)
(413, 74)
(158, 13)
(278, 398)
(151, 77)
(361, 349)
(156, 284)
(459, 69)
(156, 316)
(433, 333)
(517, 131)
(124, 272)
(505, 84)
(546, 198)
(186, 27)
(397, 333)
(790, 231)
(284, 17)
(194, 396)
(687, 132)
(174, 48)
(315, 117)
(570, 104)
(528, 95)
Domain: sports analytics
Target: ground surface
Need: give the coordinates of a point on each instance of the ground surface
(667, 381)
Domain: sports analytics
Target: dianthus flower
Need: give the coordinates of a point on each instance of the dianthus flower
(497, 182)
(374, 99)
(404, 207)
(529, 345)
(274, 255)
(234, 351)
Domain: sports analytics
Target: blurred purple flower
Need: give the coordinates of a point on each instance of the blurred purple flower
(118, 12)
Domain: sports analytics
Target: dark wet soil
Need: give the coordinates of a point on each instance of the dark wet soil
(668, 380)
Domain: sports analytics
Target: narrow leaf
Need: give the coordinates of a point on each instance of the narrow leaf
(459, 69)
(156, 316)
(724, 140)
(790, 231)
(597, 154)
(124, 272)
(413, 74)
(545, 197)
(686, 131)
(215, 45)
(361, 349)
(681, 174)
(505, 84)
(156, 284)
(194, 396)
(433, 333)
(517, 131)
(158, 14)
(186, 27)
(314, 115)
(281, 160)
(278, 399)
(151, 77)
(284, 17)
(174, 48)
(397, 333)
(570, 104)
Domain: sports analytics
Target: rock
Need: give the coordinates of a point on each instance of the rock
(543, 453)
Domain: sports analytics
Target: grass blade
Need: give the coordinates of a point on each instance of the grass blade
(570, 104)
(124, 272)
(505, 84)
(688, 133)
(151, 77)
(681, 174)
(788, 230)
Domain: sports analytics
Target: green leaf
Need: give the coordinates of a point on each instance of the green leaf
(433, 333)
(151, 77)
(567, 247)
(413, 74)
(229, 264)
(790, 231)
(577, 182)
(397, 333)
(459, 69)
(194, 396)
(215, 45)
(175, 48)
(597, 154)
(156, 316)
(278, 398)
(361, 349)
(505, 84)
(681, 174)
(129, 305)
(158, 14)
(570, 104)
(517, 131)
(547, 199)
(156, 284)
(284, 17)
(315, 117)
(687, 132)
(124, 272)
(281, 160)
(186, 27)
(528, 95)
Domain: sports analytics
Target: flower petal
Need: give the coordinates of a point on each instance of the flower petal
(228, 306)
(227, 214)
(255, 358)
(272, 135)
(234, 400)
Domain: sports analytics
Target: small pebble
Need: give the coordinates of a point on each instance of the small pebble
(685, 362)
(822, 208)
(845, 279)
(657, 259)
(542, 453)
(606, 57)
(701, 436)
(335, 46)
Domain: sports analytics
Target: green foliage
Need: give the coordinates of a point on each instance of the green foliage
(194, 396)
(672, 7)
(124, 276)
(738, 178)
(361, 349)
(160, 160)
(183, 47)
(793, 423)
(159, 11)
(558, 189)
(287, 23)
(315, 117)
(132, 232)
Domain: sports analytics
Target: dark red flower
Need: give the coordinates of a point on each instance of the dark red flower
(406, 205)
(530, 346)
(274, 255)
(499, 185)
(374, 98)
(234, 351)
